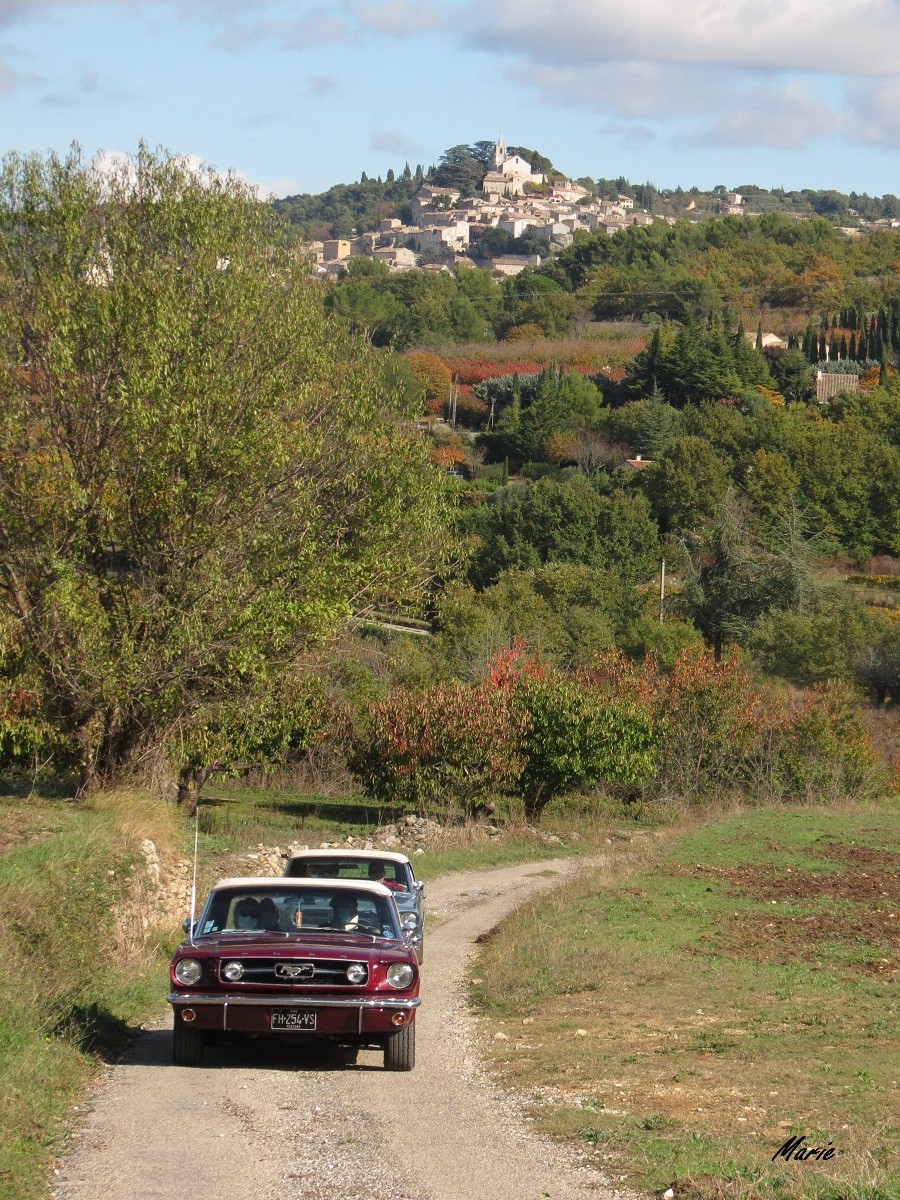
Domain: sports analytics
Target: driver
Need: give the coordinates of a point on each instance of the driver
(344, 912)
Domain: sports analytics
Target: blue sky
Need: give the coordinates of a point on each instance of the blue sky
(298, 95)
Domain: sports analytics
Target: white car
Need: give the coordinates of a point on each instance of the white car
(392, 870)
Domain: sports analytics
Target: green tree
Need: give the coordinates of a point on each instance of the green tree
(734, 579)
(200, 475)
(576, 737)
(685, 484)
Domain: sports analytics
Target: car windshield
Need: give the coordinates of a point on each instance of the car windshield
(282, 910)
(394, 875)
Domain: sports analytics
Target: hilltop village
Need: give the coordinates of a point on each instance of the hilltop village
(514, 198)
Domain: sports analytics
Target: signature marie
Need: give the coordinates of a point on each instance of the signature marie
(795, 1148)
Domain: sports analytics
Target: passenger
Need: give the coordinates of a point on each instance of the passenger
(246, 913)
(377, 875)
(268, 914)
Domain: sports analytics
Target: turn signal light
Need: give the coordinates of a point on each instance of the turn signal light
(188, 1014)
(399, 1018)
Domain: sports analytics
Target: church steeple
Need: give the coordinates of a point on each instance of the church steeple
(499, 153)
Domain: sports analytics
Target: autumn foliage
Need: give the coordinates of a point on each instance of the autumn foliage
(699, 731)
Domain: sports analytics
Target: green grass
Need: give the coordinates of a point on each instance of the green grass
(235, 819)
(74, 982)
(685, 1025)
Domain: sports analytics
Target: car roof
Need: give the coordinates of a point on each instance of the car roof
(280, 883)
(383, 855)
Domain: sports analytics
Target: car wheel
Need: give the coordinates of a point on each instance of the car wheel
(400, 1050)
(188, 1044)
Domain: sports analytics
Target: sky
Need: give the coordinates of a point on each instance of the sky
(297, 95)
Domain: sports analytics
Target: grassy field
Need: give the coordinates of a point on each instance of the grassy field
(76, 977)
(682, 1020)
(235, 819)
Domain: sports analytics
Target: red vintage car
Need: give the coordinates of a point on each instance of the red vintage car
(298, 958)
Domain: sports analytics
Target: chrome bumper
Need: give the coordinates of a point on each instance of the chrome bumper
(196, 998)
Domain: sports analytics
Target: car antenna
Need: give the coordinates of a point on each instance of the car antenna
(194, 879)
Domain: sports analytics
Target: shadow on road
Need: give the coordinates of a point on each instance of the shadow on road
(154, 1049)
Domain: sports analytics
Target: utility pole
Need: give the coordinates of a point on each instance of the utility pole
(662, 590)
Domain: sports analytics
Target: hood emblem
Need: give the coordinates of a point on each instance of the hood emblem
(294, 970)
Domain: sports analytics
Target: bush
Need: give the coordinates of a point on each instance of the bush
(443, 749)
(574, 737)
(822, 752)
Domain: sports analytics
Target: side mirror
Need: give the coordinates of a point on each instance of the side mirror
(186, 926)
(409, 922)
(419, 885)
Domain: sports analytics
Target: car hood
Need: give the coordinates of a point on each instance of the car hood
(332, 945)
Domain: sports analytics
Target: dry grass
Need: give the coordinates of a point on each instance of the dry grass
(640, 1027)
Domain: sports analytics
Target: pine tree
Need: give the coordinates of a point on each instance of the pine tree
(407, 173)
(390, 176)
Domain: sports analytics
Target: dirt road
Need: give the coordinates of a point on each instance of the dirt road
(254, 1125)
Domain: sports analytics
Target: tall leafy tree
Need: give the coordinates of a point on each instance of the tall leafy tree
(200, 474)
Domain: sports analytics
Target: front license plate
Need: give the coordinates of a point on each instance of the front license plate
(293, 1018)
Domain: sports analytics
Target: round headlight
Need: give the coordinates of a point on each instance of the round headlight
(188, 970)
(232, 971)
(357, 973)
(400, 975)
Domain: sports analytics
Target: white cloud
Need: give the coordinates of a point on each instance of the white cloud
(874, 113)
(10, 78)
(313, 28)
(784, 118)
(390, 141)
(401, 18)
(770, 35)
(321, 85)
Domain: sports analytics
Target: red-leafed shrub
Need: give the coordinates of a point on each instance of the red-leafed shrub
(441, 750)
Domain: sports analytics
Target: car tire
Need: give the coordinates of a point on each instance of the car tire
(188, 1044)
(400, 1050)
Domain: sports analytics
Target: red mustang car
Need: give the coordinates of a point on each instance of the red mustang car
(298, 958)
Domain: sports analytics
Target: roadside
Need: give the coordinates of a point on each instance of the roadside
(91, 900)
(683, 1020)
(262, 1120)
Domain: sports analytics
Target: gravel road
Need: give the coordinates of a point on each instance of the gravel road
(257, 1122)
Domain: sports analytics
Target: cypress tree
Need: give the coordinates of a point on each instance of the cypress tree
(823, 324)
(843, 346)
(363, 178)
(883, 369)
(833, 346)
(862, 346)
(851, 352)
(759, 344)
(407, 173)
(875, 344)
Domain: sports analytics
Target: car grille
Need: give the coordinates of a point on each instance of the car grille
(288, 972)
